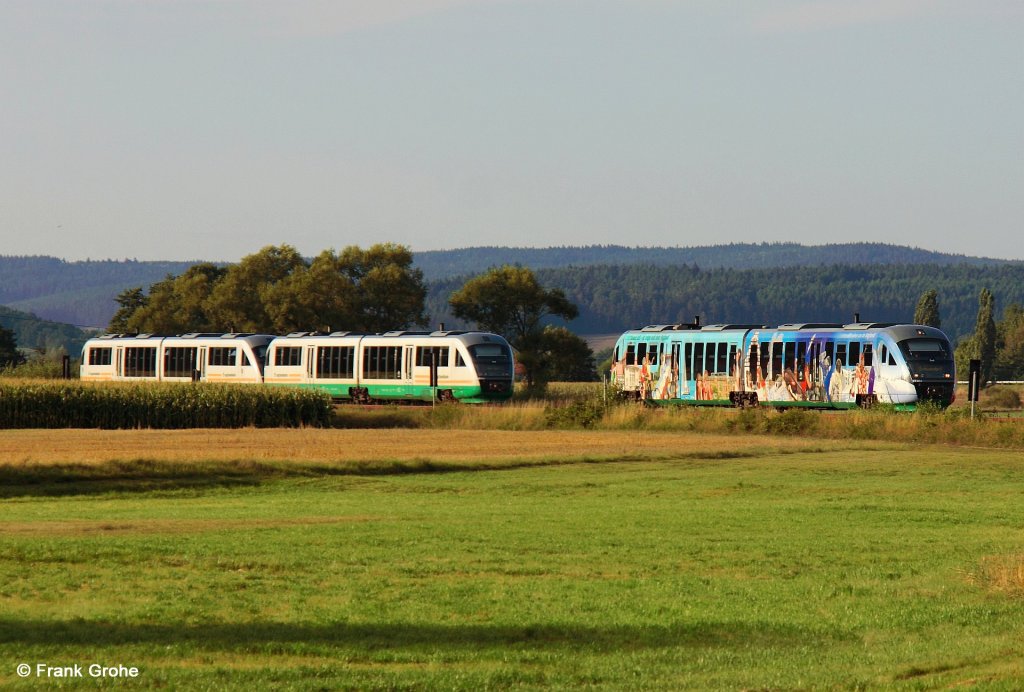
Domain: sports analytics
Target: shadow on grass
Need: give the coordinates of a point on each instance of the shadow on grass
(258, 636)
(146, 475)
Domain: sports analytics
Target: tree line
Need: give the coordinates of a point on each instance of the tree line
(277, 291)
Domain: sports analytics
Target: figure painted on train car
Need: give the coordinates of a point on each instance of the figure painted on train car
(740, 384)
(666, 387)
(762, 386)
(645, 377)
(861, 376)
(792, 384)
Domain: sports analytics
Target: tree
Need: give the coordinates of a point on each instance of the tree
(985, 334)
(563, 356)
(129, 301)
(10, 356)
(390, 292)
(510, 301)
(277, 291)
(1010, 344)
(178, 303)
(239, 300)
(927, 311)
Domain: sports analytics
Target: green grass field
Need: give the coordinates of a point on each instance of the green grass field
(852, 565)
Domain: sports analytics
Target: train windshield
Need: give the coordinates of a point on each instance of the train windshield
(491, 360)
(925, 349)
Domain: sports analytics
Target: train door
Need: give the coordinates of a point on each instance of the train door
(310, 363)
(407, 361)
(118, 362)
(200, 365)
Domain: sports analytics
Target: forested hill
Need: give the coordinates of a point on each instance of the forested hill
(80, 293)
(446, 263)
(615, 298)
(32, 332)
(616, 287)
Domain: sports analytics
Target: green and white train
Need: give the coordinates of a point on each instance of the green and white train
(474, 367)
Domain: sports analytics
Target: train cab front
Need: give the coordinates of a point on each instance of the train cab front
(492, 360)
(929, 358)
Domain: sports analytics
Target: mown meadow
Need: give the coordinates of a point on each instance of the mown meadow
(466, 559)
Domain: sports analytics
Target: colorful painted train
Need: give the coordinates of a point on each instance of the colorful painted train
(471, 367)
(807, 365)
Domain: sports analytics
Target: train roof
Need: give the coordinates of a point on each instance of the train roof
(899, 330)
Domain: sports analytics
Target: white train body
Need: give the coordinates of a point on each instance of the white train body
(185, 358)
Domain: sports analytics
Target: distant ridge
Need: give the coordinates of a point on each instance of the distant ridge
(438, 264)
(82, 292)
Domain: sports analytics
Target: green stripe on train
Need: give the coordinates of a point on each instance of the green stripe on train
(400, 392)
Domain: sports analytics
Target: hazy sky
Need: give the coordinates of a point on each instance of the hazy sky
(206, 129)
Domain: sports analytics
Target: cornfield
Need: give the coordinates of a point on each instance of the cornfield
(167, 406)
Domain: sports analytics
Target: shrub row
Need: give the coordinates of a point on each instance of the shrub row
(113, 406)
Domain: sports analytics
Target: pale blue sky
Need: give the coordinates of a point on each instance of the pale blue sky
(185, 129)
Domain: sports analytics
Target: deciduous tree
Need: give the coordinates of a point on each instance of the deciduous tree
(510, 301)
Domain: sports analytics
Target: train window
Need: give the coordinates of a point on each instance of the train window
(140, 361)
(841, 355)
(801, 359)
(789, 359)
(698, 360)
(892, 359)
(631, 354)
(752, 359)
(179, 362)
(641, 352)
(99, 356)
(732, 361)
(382, 362)
(288, 355)
(710, 357)
(883, 353)
(777, 360)
(653, 351)
(222, 356)
(440, 355)
(722, 365)
(854, 353)
(245, 360)
(336, 362)
(459, 362)
(868, 355)
(688, 361)
(829, 345)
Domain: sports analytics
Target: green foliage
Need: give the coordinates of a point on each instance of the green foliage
(511, 301)
(10, 356)
(129, 301)
(276, 291)
(927, 310)
(985, 334)
(77, 405)
(1001, 397)
(1009, 363)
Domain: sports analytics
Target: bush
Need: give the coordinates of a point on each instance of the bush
(1001, 397)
